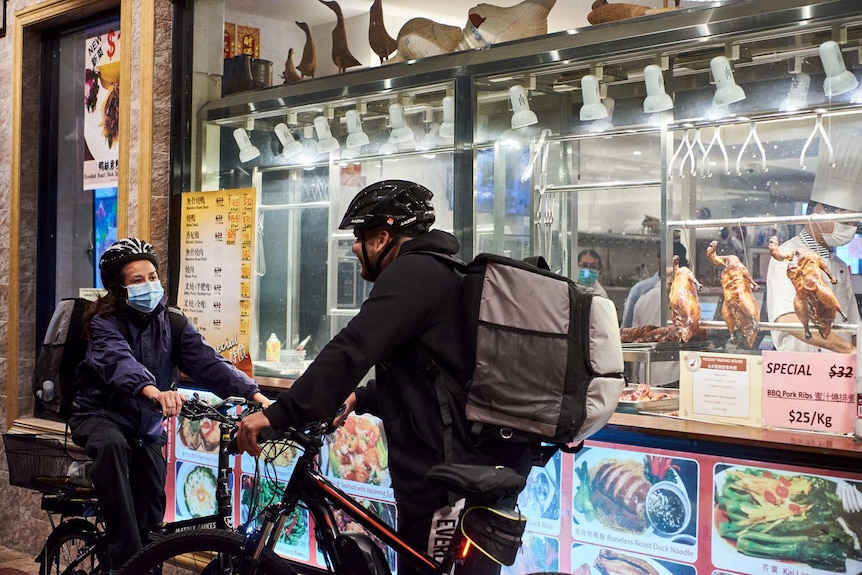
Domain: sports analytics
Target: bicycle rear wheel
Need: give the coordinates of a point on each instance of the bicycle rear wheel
(203, 552)
(73, 548)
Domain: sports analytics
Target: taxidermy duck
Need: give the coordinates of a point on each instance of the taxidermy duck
(290, 74)
(486, 25)
(381, 42)
(308, 65)
(603, 12)
(341, 55)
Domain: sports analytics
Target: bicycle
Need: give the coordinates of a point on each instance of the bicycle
(495, 531)
(77, 544)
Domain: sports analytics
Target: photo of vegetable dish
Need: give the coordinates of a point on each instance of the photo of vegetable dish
(786, 517)
(268, 491)
(357, 451)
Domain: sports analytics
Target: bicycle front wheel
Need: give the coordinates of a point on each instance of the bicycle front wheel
(203, 552)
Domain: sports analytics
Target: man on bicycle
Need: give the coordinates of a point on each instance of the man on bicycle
(412, 330)
(131, 357)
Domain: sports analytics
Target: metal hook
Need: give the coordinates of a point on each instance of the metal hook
(683, 143)
(824, 137)
(689, 154)
(752, 134)
(716, 140)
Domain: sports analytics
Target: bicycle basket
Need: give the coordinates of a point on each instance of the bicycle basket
(496, 532)
(31, 457)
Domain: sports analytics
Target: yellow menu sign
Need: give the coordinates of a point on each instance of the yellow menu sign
(217, 246)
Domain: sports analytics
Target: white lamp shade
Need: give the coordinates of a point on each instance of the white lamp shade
(657, 99)
(247, 152)
(593, 109)
(356, 138)
(726, 90)
(839, 80)
(290, 147)
(797, 97)
(400, 131)
(325, 142)
(521, 114)
(447, 128)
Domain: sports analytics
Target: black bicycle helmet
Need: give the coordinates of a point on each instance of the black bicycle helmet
(405, 206)
(119, 254)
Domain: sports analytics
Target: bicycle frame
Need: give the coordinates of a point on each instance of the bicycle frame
(320, 496)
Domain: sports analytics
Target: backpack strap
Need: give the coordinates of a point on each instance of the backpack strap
(178, 321)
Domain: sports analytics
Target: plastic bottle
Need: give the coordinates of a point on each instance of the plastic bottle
(273, 348)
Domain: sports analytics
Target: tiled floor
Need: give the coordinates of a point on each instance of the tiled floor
(16, 563)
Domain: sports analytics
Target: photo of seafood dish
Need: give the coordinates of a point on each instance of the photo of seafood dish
(786, 517)
(195, 491)
(357, 451)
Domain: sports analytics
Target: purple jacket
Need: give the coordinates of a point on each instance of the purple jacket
(116, 369)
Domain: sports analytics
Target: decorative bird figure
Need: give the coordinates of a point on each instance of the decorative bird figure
(308, 65)
(341, 55)
(290, 74)
(381, 42)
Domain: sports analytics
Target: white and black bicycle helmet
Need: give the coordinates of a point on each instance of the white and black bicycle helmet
(122, 252)
(405, 206)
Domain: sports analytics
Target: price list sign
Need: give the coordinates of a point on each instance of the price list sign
(217, 248)
(809, 391)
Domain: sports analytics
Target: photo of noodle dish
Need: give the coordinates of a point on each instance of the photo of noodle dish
(357, 452)
(195, 491)
(788, 517)
(635, 493)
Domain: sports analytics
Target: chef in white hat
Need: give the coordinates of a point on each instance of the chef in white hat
(837, 189)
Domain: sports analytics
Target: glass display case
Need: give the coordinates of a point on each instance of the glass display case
(698, 125)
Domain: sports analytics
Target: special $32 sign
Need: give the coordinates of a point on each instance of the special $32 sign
(812, 391)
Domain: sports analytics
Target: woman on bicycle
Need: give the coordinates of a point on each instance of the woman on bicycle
(130, 363)
(412, 328)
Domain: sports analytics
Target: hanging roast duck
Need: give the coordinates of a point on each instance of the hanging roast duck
(739, 308)
(684, 303)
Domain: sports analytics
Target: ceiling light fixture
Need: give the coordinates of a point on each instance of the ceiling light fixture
(356, 138)
(797, 97)
(593, 109)
(289, 146)
(657, 99)
(325, 141)
(400, 131)
(247, 151)
(447, 128)
(726, 89)
(839, 80)
(522, 116)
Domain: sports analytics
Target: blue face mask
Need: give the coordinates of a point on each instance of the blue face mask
(587, 276)
(146, 296)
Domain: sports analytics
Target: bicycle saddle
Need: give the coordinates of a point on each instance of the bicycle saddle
(489, 483)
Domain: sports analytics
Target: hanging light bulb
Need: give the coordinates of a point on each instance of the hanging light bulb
(325, 141)
(797, 97)
(522, 116)
(447, 128)
(726, 89)
(605, 124)
(400, 131)
(839, 80)
(657, 99)
(356, 138)
(593, 109)
(247, 152)
(289, 146)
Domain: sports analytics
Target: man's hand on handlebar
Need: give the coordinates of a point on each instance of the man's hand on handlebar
(169, 401)
(346, 409)
(248, 430)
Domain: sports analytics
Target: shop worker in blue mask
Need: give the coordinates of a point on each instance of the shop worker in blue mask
(589, 269)
(131, 364)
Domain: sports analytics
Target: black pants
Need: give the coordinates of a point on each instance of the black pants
(129, 477)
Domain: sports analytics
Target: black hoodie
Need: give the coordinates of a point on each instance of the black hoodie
(412, 328)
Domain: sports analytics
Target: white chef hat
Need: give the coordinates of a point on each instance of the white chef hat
(840, 186)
